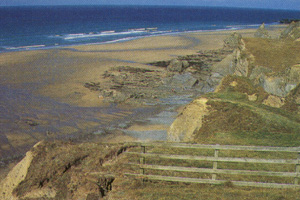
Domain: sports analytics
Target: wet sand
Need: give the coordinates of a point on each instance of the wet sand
(43, 95)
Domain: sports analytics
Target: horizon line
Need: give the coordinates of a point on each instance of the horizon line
(238, 7)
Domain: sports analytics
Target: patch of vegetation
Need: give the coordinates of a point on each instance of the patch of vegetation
(293, 101)
(237, 87)
(181, 191)
(233, 120)
(274, 54)
(147, 189)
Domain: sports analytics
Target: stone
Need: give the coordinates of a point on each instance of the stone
(294, 74)
(185, 64)
(252, 97)
(292, 32)
(182, 81)
(262, 32)
(275, 86)
(274, 101)
(175, 66)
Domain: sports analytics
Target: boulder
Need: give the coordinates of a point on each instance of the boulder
(182, 81)
(262, 32)
(233, 40)
(177, 65)
(294, 74)
(274, 101)
(292, 32)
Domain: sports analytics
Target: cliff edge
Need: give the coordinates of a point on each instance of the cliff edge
(257, 103)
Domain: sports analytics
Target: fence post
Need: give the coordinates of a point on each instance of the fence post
(215, 163)
(142, 159)
(297, 170)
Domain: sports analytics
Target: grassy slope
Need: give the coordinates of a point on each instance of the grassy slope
(236, 120)
(275, 54)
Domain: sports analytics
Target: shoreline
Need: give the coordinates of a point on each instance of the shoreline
(238, 28)
(46, 97)
(37, 47)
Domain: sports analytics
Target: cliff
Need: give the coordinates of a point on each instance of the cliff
(257, 104)
(63, 170)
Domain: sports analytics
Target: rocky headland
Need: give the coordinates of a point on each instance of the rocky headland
(257, 103)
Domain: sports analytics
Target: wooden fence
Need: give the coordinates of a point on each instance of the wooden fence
(214, 171)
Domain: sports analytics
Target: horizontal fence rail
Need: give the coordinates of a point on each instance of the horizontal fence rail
(214, 171)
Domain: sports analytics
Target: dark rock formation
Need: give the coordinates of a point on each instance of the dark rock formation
(182, 81)
(288, 21)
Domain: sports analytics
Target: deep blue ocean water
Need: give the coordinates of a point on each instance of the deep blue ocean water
(49, 26)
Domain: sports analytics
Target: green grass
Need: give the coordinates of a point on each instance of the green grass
(131, 188)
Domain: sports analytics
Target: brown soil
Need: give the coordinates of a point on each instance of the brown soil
(60, 170)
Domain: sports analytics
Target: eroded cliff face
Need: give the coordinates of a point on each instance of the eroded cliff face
(189, 121)
(63, 170)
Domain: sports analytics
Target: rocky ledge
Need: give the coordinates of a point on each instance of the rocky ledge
(192, 74)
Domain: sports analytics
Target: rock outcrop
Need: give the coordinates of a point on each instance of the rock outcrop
(233, 41)
(292, 32)
(278, 83)
(181, 81)
(177, 65)
(261, 32)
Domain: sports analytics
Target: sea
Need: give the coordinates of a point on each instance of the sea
(40, 27)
